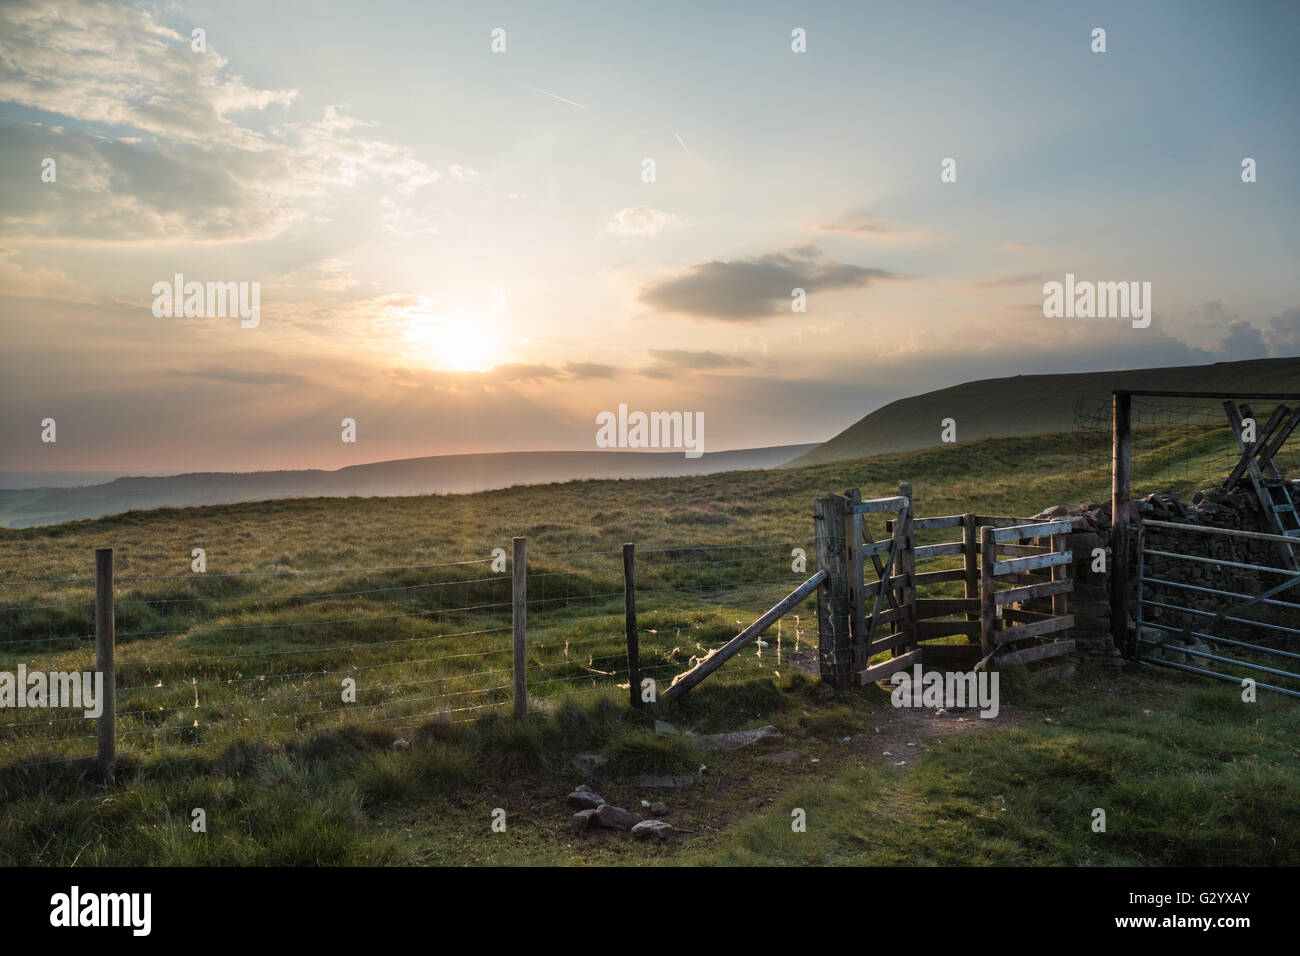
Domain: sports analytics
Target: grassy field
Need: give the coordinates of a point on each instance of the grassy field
(231, 690)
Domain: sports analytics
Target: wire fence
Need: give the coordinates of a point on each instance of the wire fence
(205, 660)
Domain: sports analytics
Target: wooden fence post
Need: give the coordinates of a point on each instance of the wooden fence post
(970, 554)
(834, 642)
(629, 622)
(988, 605)
(907, 567)
(104, 662)
(520, 620)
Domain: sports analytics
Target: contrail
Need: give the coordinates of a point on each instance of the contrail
(679, 139)
(554, 97)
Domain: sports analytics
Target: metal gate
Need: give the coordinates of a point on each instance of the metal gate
(1197, 604)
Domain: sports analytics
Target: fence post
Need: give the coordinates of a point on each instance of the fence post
(988, 605)
(907, 565)
(970, 553)
(834, 647)
(520, 619)
(629, 621)
(104, 662)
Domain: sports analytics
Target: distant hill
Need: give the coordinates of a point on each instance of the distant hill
(443, 474)
(1033, 404)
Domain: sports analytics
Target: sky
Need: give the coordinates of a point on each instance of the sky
(460, 248)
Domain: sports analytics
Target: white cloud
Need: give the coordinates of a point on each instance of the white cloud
(641, 221)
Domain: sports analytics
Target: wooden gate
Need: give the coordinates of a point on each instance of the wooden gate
(875, 601)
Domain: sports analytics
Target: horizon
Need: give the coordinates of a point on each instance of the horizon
(458, 249)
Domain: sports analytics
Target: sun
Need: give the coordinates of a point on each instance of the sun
(452, 343)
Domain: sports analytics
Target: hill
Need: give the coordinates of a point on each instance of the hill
(441, 474)
(1032, 404)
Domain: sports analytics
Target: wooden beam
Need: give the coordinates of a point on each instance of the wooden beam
(1033, 562)
(892, 666)
(1031, 591)
(835, 649)
(716, 658)
(1025, 631)
(1041, 530)
(877, 505)
(1036, 653)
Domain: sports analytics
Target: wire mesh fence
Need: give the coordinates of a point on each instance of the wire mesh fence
(204, 660)
(1179, 444)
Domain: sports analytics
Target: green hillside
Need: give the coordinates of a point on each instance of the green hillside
(229, 690)
(1034, 404)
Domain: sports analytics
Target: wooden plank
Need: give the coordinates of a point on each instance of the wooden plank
(937, 524)
(997, 521)
(1029, 592)
(1033, 562)
(1023, 550)
(1024, 616)
(939, 577)
(897, 543)
(1061, 574)
(1037, 629)
(890, 642)
(519, 616)
(892, 666)
(835, 648)
(896, 583)
(1036, 653)
(938, 550)
(926, 629)
(716, 658)
(971, 568)
(854, 555)
(907, 557)
(1045, 529)
(931, 607)
(876, 505)
(868, 550)
(988, 588)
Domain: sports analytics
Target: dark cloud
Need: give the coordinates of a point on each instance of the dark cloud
(1283, 334)
(1243, 341)
(755, 288)
(696, 360)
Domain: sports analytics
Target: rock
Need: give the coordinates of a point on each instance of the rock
(616, 818)
(652, 828)
(783, 756)
(583, 788)
(665, 729)
(738, 738)
(655, 781)
(401, 744)
(658, 809)
(591, 765)
(582, 820)
(580, 800)
(1056, 511)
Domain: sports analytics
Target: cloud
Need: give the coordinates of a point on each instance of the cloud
(670, 362)
(857, 223)
(754, 288)
(1243, 341)
(1032, 278)
(243, 376)
(641, 221)
(589, 370)
(155, 146)
(1283, 334)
